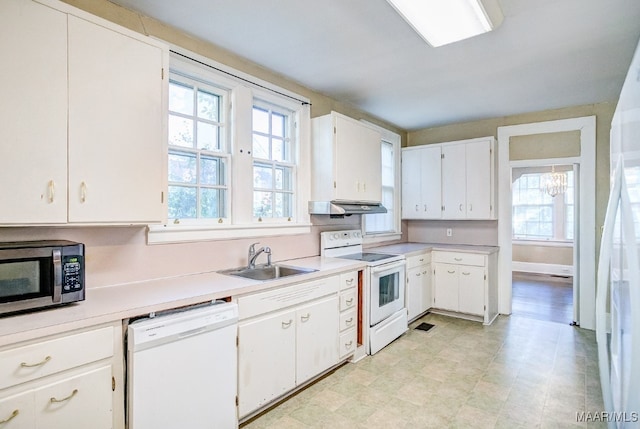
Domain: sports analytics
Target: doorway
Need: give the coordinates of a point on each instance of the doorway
(585, 243)
(544, 210)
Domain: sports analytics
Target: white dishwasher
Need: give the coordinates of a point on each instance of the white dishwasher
(182, 369)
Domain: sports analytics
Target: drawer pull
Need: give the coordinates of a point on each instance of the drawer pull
(349, 344)
(349, 321)
(451, 272)
(421, 259)
(285, 325)
(424, 272)
(32, 365)
(461, 207)
(416, 207)
(465, 274)
(349, 281)
(305, 317)
(11, 417)
(457, 259)
(417, 274)
(56, 400)
(349, 301)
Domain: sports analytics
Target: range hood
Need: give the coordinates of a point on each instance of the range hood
(339, 208)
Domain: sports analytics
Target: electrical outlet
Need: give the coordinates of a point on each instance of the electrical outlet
(449, 232)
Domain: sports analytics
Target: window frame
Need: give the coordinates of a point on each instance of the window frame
(395, 234)
(243, 89)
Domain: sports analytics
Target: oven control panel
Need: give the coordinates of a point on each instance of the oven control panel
(334, 239)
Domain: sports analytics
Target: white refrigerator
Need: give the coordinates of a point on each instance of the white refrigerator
(618, 282)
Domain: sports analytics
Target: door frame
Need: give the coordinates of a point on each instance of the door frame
(585, 270)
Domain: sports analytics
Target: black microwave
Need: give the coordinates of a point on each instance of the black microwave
(40, 274)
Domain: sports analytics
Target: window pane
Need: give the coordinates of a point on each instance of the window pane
(208, 136)
(180, 131)
(182, 202)
(282, 205)
(260, 146)
(260, 120)
(208, 106)
(283, 178)
(180, 98)
(262, 176)
(182, 167)
(262, 204)
(211, 171)
(211, 203)
(277, 124)
(278, 149)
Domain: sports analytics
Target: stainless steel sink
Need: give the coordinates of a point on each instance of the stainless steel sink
(267, 273)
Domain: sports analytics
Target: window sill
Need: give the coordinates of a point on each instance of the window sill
(163, 234)
(548, 243)
(381, 238)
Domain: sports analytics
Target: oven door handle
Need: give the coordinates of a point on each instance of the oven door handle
(388, 267)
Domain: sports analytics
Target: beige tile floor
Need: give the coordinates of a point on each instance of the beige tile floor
(516, 373)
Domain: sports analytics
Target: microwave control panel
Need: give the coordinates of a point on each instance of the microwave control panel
(72, 274)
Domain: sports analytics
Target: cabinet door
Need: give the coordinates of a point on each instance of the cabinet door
(478, 155)
(454, 182)
(415, 293)
(411, 184)
(18, 412)
(446, 286)
(316, 338)
(116, 147)
(266, 359)
(33, 165)
(358, 161)
(471, 287)
(431, 182)
(80, 402)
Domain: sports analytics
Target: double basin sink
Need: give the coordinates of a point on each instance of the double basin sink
(271, 272)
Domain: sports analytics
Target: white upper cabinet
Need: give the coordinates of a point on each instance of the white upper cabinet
(116, 150)
(33, 135)
(458, 176)
(83, 134)
(421, 182)
(346, 160)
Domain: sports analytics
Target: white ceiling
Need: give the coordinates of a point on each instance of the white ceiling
(546, 54)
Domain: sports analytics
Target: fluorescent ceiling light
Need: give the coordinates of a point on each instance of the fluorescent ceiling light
(440, 22)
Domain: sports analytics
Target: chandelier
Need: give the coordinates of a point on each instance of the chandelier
(553, 183)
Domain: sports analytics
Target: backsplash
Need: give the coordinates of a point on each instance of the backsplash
(481, 232)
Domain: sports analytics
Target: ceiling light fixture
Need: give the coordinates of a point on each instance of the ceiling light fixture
(554, 183)
(441, 22)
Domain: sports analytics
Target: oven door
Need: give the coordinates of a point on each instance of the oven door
(386, 290)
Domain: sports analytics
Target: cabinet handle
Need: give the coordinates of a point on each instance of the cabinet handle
(83, 192)
(305, 317)
(417, 274)
(349, 320)
(349, 281)
(364, 187)
(349, 344)
(451, 272)
(52, 190)
(285, 325)
(421, 259)
(56, 400)
(417, 207)
(470, 207)
(465, 274)
(11, 417)
(460, 207)
(349, 301)
(457, 259)
(425, 207)
(32, 365)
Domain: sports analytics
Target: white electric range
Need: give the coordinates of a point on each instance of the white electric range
(384, 315)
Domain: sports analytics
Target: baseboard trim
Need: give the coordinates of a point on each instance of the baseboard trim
(536, 268)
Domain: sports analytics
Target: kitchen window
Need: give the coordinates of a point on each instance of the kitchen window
(386, 226)
(238, 153)
(536, 214)
(198, 158)
(274, 165)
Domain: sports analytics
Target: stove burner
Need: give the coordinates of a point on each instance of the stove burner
(368, 257)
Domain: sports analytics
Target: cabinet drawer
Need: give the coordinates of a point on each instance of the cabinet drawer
(347, 343)
(30, 362)
(283, 297)
(459, 258)
(348, 280)
(348, 300)
(348, 319)
(414, 261)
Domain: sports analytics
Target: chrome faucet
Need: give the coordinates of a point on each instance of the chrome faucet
(253, 255)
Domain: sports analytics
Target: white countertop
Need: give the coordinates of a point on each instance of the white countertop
(410, 249)
(112, 303)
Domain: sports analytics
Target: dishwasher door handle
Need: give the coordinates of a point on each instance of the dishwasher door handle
(191, 333)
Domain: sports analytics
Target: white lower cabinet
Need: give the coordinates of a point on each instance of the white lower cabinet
(72, 381)
(286, 337)
(419, 285)
(465, 283)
